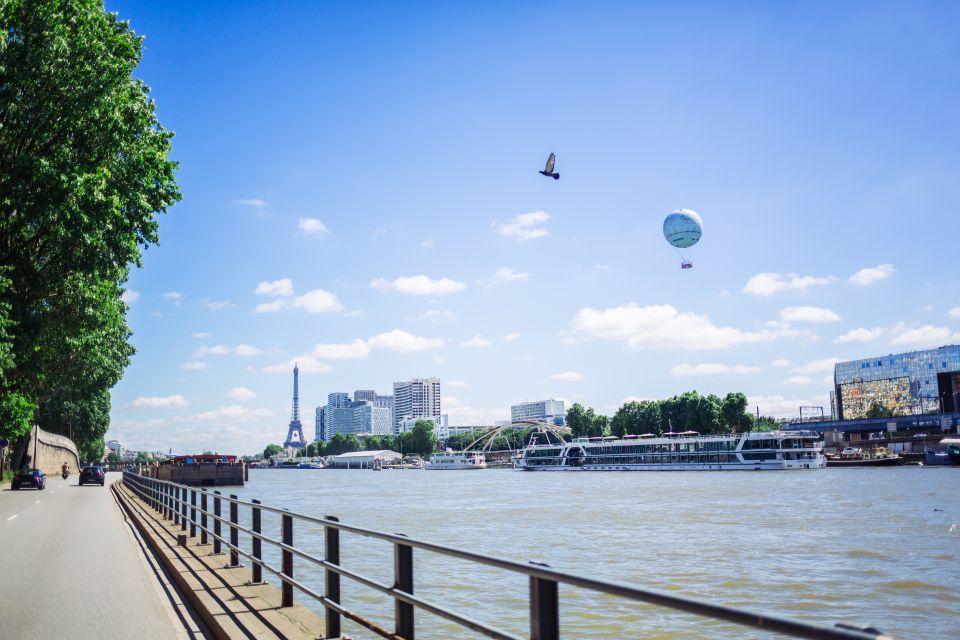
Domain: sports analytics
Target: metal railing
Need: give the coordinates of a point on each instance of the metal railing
(179, 503)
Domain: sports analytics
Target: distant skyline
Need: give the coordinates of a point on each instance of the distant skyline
(361, 195)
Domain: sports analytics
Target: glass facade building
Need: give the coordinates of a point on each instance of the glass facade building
(912, 383)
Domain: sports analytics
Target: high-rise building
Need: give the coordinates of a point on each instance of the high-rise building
(320, 432)
(338, 400)
(916, 382)
(417, 398)
(546, 410)
(364, 394)
(357, 417)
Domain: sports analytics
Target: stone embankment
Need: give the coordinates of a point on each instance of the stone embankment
(225, 599)
(52, 451)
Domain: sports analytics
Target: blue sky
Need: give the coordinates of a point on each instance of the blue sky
(361, 194)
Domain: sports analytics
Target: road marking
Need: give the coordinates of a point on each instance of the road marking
(12, 517)
(37, 501)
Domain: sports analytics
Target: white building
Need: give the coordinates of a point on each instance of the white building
(547, 410)
(115, 447)
(363, 459)
(417, 398)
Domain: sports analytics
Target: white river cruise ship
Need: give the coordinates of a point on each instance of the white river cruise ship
(454, 461)
(687, 451)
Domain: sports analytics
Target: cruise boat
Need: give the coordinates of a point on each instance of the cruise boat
(451, 461)
(686, 451)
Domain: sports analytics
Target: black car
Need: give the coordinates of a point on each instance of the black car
(92, 474)
(31, 478)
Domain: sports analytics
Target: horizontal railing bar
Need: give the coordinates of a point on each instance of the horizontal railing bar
(372, 626)
(630, 592)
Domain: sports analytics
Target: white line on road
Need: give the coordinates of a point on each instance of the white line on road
(37, 501)
(12, 517)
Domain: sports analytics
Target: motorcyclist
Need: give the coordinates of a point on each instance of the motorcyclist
(65, 470)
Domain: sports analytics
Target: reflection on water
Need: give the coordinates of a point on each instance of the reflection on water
(834, 545)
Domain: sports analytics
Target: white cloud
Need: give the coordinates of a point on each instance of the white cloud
(318, 301)
(306, 362)
(601, 267)
(130, 296)
(216, 350)
(568, 376)
(402, 342)
(708, 369)
(436, 314)
(925, 336)
(954, 313)
(272, 307)
(241, 394)
(866, 277)
(218, 305)
(511, 337)
(158, 402)
(781, 363)
(202, 334)
(769, 283)
(256, 203)
(456, 384)
(427, 243)
(860, 335)
(438, 359)
(777, 405)
(509, 274)
(246, 350)
(523, 227)
(476, 342)
(663, 327)
(808, 314)
(231, 413)
(817, 366)
(195, 366)
(312, 227)
(356, 350)
(419, 285)
(281, 288)
(173, 296)
(798, 380)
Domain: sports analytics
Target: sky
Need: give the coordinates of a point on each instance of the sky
(361, 196)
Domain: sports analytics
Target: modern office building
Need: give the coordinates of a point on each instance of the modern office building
(546, 410)
(417, 398)
(912, 383)
(357, 417)
(441, 425)
(319, 432)
(364, 394)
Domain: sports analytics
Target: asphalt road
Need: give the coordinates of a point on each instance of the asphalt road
(72, 567)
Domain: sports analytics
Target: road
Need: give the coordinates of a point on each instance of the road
(72, 567)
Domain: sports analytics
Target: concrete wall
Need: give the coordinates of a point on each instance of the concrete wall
(54, 450)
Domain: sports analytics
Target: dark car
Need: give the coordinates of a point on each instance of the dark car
(92, 474)
(31, 478)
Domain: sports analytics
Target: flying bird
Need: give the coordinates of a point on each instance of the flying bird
(548, 170)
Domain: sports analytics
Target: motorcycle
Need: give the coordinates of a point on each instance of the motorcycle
(65, 474)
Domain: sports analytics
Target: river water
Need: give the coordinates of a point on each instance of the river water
(862, 546)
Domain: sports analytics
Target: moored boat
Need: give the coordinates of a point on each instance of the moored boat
(456, 461)
(875, 457)
(686, 451)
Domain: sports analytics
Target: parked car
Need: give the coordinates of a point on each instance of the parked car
(92, 474)
(31, 478)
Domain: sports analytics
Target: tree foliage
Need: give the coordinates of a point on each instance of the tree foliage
(272, 450)
(84, 169)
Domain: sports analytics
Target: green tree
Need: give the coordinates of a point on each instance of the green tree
(423, 439)
(84, 169)
(341, 443)
(272, 450)
(733, 413)
(580, 420)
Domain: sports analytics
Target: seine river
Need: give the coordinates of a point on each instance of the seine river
(866, 546)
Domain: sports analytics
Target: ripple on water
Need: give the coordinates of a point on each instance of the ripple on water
(864, 553)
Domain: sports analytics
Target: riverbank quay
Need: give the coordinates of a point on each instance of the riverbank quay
(543, 596)
(218, 587)
(71, 566)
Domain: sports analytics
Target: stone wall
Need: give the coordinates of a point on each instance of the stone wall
(54, 450)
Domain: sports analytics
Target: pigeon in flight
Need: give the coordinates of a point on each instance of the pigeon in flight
(548, 171)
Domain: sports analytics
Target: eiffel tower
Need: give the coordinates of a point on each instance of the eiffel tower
(295, 433)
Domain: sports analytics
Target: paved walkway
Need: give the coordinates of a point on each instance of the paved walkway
(72, 567)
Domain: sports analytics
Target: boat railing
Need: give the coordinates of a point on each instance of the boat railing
(179, 503)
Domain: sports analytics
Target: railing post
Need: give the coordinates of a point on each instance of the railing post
(193, 513)
(286, 530)
(234, 533)
(183, 508)
(174, 496)
(257, 545)
(544, 609)
(403, 580)
(332, 539)
(203, 516)
(165, 496)
(216, 522)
